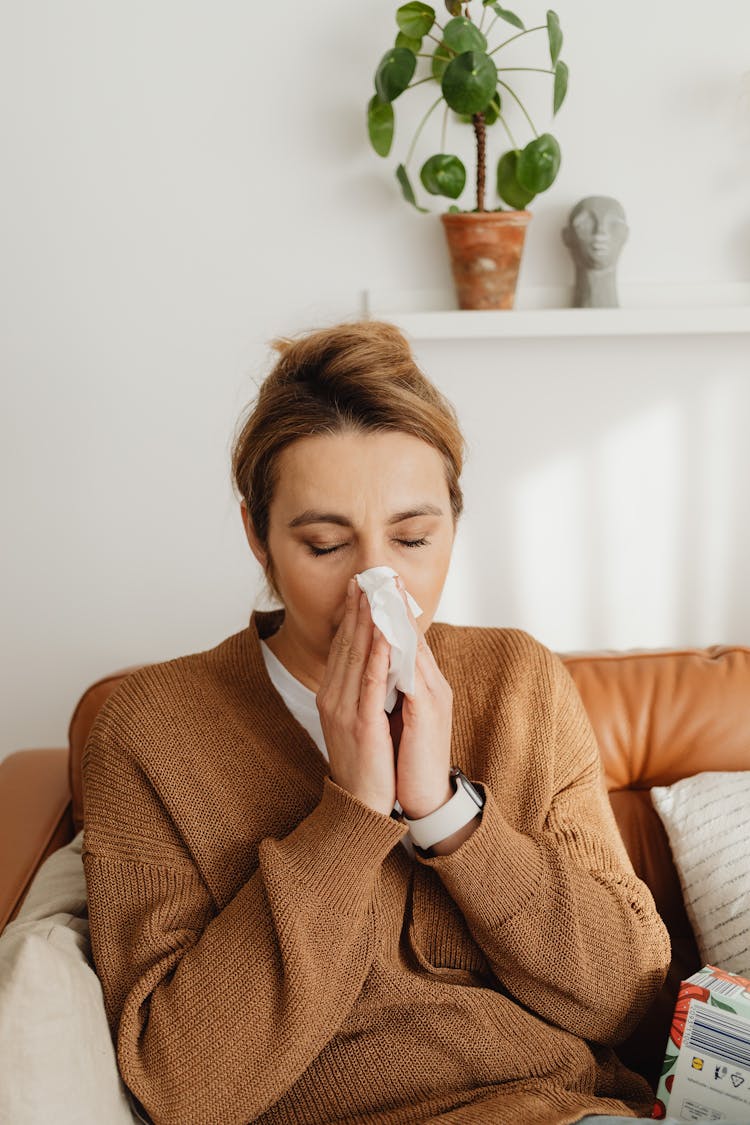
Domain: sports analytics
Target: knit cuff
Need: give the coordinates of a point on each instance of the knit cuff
(494, 873)
(336, 850)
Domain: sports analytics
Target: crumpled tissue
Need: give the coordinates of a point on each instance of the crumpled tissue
(389, 614)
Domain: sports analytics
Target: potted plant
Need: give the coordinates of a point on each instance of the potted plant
(473, 85)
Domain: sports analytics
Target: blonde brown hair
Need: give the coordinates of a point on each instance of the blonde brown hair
(357, 376)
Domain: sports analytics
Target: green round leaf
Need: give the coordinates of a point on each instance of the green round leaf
(561, 84)
(555, 36)
(442, 55)
(538, 164)
(406, 41)
(454, 7)
(394, 73)
(469, 82)
(504, 14)
(492, 111)
(443, 175)
(462, 35)
(415, 19)
(508, 187)
(403, 178)
(380, 122)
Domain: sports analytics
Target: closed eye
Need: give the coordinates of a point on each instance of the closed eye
(318, 551)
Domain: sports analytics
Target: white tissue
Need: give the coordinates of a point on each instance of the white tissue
(389, 614)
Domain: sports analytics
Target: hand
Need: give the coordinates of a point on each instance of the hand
(351, 704)
(424, 749)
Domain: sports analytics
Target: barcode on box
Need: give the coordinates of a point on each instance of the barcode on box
(717, 1033)
(723, 987)
(726, 988)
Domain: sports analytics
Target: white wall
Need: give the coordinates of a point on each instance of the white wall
(183, 180)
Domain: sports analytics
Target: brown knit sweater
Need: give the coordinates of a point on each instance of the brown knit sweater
(268, 954)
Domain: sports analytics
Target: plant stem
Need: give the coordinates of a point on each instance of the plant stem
(445, 128)
(523, 107)
(480, 131)
(420, 127)
(528, 31)
(538, 69)
(419, 83)
(506, 126)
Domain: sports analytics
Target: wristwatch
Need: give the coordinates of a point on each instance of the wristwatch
(466, 803)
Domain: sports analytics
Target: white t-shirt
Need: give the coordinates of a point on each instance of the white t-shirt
(301, 702)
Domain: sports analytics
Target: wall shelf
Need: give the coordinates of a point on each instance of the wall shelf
(646, 311)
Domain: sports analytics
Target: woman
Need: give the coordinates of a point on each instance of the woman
(266, 950)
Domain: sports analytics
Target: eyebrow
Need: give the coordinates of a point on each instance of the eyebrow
(311, 516)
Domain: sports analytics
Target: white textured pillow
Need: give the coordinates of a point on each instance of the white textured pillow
(707, 820)
(57, 1059)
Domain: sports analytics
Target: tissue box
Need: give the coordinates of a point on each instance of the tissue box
(706, 1071)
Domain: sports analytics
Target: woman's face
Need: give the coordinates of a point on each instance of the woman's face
(346, 502)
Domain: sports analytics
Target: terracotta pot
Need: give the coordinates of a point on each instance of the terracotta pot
(485, 249)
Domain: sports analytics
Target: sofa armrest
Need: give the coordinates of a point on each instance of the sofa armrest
(35, 819)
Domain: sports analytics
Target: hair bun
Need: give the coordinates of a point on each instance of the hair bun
(353, 351)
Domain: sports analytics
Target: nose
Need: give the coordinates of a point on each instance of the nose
(368, 561)
(369, 554)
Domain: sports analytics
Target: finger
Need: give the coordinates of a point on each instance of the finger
(426, 668)
(425, 662)
(375, 678)
(351, 662)
(342, 640)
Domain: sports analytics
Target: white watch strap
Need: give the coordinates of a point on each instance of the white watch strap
(446, 820)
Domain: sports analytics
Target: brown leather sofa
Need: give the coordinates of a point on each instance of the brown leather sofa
(658, 715)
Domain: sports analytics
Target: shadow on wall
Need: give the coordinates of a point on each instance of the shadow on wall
(605, 508)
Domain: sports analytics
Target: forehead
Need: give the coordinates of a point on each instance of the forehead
(389, 468)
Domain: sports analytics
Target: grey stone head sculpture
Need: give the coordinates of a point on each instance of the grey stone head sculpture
(595, 235)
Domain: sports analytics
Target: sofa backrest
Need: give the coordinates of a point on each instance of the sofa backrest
(658, 715)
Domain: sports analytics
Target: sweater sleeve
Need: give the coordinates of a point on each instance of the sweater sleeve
(565, 923)
(217, 1012)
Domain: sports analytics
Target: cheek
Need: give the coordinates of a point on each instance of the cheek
(314, 594)
(425, 583)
